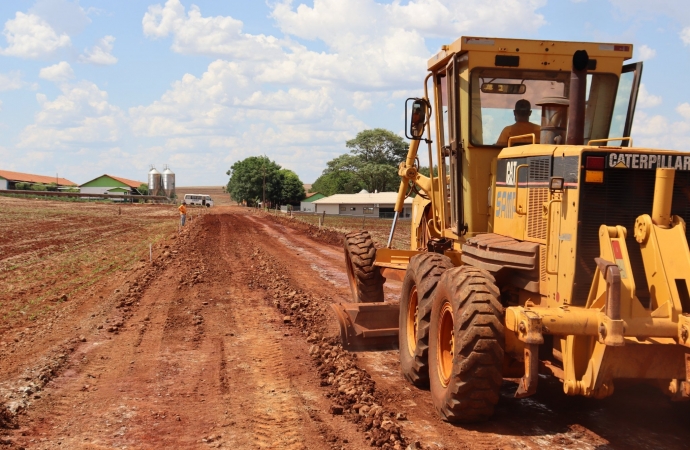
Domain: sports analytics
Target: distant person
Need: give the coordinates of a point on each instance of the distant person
(522, 125)
(183, 212)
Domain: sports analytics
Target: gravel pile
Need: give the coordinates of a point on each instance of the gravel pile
(351, 390)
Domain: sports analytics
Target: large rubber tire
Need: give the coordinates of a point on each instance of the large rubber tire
(365, 279)
(421, 279)
(466, 345)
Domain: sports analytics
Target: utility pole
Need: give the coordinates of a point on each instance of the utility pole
(263, 170)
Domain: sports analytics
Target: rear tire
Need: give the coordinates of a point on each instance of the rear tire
(366, 282)
(421, 279)
(466, 345)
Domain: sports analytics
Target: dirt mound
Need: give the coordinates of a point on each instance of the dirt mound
(323, 234)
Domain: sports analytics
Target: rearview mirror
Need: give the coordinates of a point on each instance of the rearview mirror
(503, 88)
(418, 117)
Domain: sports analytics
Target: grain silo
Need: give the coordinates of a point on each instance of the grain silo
(169, 182)
(155, 183)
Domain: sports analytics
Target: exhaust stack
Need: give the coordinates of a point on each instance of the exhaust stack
(577, 96)
(663, 197)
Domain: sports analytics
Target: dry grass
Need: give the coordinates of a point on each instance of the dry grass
(50, 249)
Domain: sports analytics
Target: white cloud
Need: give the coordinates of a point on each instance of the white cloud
(80, 115)
(194, 34)
(645, 99)
(370, 45)
(29, 36)
(100, 54)
(645, 53)
(0, 105)
(59, 72)
(11, 81)
(685, 35)
(684, 110)
(63, 15)
(362, 100)
(657, 131)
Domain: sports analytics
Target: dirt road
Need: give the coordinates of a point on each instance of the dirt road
(225, 341)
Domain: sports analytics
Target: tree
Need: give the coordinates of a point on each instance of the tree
(378, 146)
(337, 182)
(257, 176)
(292, 189)
(143, 189)
(372, 164)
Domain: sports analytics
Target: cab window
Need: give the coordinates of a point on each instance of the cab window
(496, 92)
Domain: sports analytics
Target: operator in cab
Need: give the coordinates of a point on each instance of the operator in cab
(522, 125)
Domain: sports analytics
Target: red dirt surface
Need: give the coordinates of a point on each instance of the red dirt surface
(226, 340)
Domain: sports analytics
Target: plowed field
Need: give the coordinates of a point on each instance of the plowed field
(225, 339)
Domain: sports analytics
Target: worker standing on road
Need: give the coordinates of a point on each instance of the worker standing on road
(183, 212)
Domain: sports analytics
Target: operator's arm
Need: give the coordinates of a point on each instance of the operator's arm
(503, 138)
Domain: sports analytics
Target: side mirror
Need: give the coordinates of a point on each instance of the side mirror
(419, 113)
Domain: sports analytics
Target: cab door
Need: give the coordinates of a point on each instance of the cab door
(626, 100)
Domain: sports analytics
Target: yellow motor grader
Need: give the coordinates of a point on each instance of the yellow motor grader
(543, 241)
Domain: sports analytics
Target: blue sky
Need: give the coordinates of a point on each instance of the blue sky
(93, 86)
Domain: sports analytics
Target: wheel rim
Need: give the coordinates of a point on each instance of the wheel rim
(412, 320)
(446, 343)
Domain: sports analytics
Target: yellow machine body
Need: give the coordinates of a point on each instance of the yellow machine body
(598, 288)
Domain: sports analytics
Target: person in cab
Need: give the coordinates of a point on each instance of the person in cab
(522, 125)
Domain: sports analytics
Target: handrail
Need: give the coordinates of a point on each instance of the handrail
(534, 138)
(517, 186)
(549, 242)
(431, 160)
(612, 139)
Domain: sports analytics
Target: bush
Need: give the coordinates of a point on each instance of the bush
(39, 187)
(22, 186)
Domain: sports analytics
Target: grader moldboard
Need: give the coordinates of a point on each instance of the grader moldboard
(562, 251)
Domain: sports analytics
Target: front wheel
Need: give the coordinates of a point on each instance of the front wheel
(421, 279)
(366, 281)
(466, 345)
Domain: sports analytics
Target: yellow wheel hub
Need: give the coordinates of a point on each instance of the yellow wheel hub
(412, 320)
(446, 344)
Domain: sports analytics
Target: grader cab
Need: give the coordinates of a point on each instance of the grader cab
(545, 242)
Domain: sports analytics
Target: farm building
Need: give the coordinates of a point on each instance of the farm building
(306, 205)
(8, 179)
(378, 204)
(110, 185)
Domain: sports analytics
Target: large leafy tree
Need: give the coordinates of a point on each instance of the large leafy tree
(372, 164)
(247, 178)
(337, 182)
(292, 189)
(378, 146)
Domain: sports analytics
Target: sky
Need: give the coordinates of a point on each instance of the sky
(93, 86)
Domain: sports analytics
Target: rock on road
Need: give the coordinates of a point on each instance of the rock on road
(192, 352)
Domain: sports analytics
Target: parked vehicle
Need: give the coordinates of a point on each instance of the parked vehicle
(198, 199)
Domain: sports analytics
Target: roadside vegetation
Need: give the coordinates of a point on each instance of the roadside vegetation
(257, 177)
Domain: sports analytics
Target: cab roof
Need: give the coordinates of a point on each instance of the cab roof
(515, 47)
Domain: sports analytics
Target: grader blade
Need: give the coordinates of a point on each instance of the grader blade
(367, 326)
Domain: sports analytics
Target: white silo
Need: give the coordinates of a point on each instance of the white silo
(169, 182)
(155, 182)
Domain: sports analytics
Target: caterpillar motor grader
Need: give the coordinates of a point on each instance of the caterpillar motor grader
(549, 247)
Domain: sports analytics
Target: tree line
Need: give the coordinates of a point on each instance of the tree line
(371, 164)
